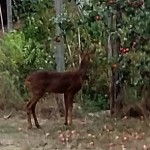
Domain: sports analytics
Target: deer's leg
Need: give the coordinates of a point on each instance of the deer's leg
(66, 108)
(29, 119)
(29, 114)
(34, 116)
(30, 106)
(70, 107)
(68, 98)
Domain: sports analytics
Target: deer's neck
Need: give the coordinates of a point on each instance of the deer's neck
(83, 69)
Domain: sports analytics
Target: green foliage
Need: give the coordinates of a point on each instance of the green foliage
(32, 48)
(24, 57)
(95, 103)
(95, 25)
(9, 94)
(25, 8)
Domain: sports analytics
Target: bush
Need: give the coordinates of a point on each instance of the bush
(33, 47)
(95, 103)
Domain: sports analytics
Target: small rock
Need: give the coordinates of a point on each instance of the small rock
(47, 134)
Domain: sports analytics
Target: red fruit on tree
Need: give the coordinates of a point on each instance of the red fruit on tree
(141, 3)
(138, 4)
(129, 3)
(114, 66)
(98, 18)
(127, 49)
(121, 49)
(124, 50)
(112, 1)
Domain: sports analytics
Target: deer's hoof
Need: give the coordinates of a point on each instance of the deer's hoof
(65, 123)
(69, 124)
(29, 126)
(61, 115)
(38, 126)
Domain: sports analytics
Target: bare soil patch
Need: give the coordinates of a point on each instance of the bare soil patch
(88, 132)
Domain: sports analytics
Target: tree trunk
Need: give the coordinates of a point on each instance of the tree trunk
(9, 15)
(2, 23)
(118, 88)
(113, 52)
(110, 72)
(59, 52)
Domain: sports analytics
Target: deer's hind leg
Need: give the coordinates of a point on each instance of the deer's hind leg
(68, 108)
(34, 116)
(29, 113)
(31, 109)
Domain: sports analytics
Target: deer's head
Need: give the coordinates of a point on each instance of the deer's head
(85, 56)
(85, 60)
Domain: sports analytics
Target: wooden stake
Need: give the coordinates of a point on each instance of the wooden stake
(9, 15)
(59, 44)
(2, 23)
(60, 64)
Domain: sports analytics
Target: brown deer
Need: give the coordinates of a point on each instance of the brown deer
(69, 83)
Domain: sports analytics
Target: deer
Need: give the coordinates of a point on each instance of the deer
(68, 83)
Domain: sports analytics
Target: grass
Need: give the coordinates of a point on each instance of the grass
(86, 133)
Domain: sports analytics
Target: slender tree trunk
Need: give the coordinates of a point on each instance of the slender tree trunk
(110, 72)
(2, 23)
(59, 52)
(113, 52)
(9, 15)
(118, 88)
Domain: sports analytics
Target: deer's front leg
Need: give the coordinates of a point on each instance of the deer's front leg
(66, 108)
(29, 116)
(70, 107)
(31, 110)
(34, 116)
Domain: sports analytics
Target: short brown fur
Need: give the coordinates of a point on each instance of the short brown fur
(69, 83)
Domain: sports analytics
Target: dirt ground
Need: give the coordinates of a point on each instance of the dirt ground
(88, 132)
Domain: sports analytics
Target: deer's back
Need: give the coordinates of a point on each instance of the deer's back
(56, 82)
